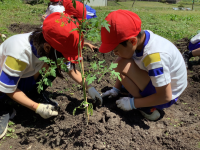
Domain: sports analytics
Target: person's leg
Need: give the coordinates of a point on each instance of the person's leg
(196, 52)
(6, 113)
(133, 78)
(137, 82)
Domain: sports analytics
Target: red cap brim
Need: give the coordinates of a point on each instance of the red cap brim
(106, 48)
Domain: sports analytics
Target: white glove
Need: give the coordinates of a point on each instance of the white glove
(46, 110)
(95, 95)
(126, 103)
(111, 93)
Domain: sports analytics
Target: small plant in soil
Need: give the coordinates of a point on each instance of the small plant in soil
(51, 71)
(95, 67)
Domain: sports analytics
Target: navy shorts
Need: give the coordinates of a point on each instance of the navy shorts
(149, 90)
(25, 85)
(192, 47)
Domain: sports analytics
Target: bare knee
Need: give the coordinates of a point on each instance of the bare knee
(124, 65)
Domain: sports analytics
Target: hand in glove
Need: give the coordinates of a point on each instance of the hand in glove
(126, 103)
(46, 110)
(111, 93)
(95, 95)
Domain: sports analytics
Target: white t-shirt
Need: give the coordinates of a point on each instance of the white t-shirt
(195, 39)
(163, 62)
(17, 60)
(55, 8)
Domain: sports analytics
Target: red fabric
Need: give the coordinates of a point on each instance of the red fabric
(124, 24)
(76, 12)
(57, 32)
(54, 0)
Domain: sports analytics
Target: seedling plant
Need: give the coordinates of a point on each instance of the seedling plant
(95, 69)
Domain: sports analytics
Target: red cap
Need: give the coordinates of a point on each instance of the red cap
(60, 37)
(124, 24)
(76, 12)
(54, 0)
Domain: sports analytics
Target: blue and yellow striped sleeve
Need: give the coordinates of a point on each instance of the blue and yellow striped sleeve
(11, 71)
(157, 68)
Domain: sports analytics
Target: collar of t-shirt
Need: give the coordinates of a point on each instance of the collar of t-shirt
(140, 53)
(34, 50)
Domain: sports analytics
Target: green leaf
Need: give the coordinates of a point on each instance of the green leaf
(75, 29)
(11, 123)
(53, 72)
(101, 62)
(90, 109)
(91, 79)
(74, 111)
(74, 3)
(9, 134)
(105, 24)
(113, 65)
(45, 59)
(117, 74)
(93, 65)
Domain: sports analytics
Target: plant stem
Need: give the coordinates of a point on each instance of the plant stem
(81, 64)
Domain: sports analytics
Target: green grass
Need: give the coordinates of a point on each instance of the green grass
(162, 19)
(157, 17)
(15, 11)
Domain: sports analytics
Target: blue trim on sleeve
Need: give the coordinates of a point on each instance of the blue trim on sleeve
(140, 53)
(156, 72)
(8, 80)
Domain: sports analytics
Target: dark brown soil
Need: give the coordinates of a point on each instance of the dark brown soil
(22, 28)
(109, 128)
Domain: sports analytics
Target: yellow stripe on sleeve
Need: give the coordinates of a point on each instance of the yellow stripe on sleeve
(15, 64)
(152, 58)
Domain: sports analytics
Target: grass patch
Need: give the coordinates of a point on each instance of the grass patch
(157, 17)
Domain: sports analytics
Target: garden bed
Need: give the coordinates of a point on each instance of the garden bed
(109, 128)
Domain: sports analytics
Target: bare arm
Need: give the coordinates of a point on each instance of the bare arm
(163, 95)
(92, 47)
(22, 99)
(76, 76)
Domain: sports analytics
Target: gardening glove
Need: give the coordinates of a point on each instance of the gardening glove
(111, 93)
(46, 110)
(95, 95)
(126, 103)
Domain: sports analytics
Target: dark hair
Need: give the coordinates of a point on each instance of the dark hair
(124, 43)
(38, 42)
(54, 3)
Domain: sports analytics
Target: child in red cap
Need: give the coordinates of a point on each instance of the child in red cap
(53, 6)
(77, 14)
(20, 64)
(151, 68)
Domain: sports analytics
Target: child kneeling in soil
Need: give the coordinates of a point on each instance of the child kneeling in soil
(19, 61)
(194, 49)
(151, 68)
(53, 6)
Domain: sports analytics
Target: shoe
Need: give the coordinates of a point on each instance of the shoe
(45, 99)
(186, 58)
(5, 116)
(154, 115)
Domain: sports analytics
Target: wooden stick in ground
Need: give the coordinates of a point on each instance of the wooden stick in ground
(82, 65)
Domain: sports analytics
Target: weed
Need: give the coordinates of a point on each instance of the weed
(11, 131)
